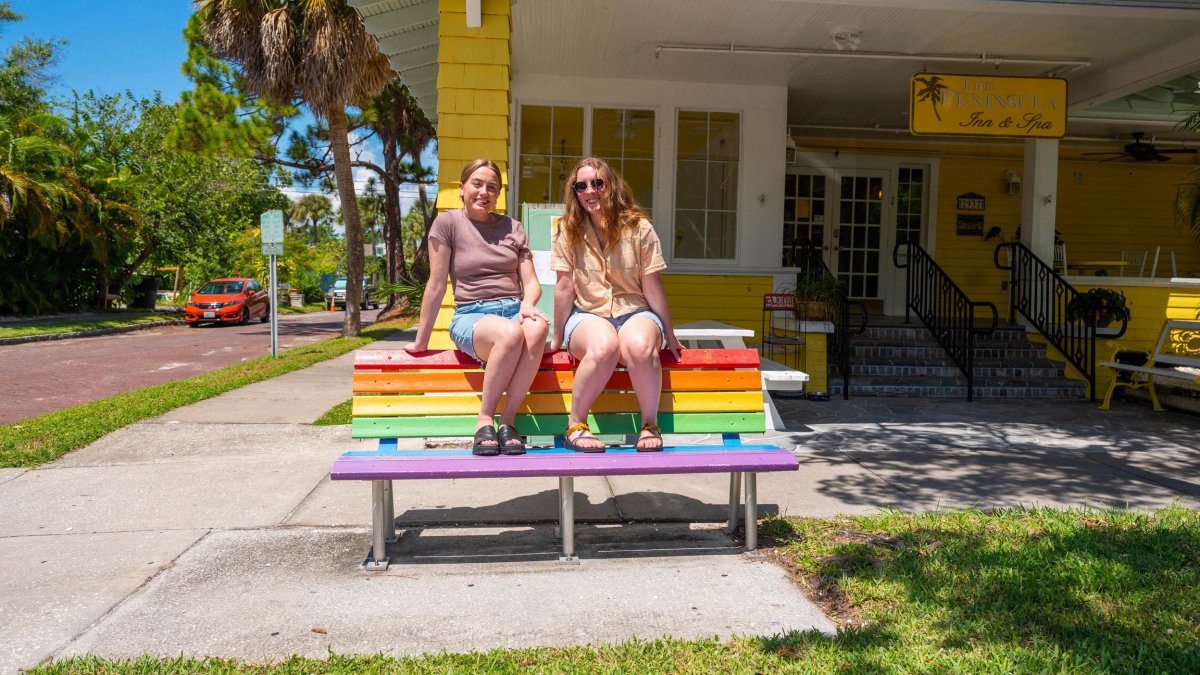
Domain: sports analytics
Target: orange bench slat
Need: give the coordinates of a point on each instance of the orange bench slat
(424, 381)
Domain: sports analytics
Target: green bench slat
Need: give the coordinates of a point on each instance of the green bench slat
(435, 426)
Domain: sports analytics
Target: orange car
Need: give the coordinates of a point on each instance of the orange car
(228, 300)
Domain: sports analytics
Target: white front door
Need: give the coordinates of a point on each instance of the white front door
(860, 237)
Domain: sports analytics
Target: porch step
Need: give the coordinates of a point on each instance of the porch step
(933, 387)
(908, 361)
(944, 367)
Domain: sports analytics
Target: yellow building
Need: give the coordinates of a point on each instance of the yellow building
(756, 130)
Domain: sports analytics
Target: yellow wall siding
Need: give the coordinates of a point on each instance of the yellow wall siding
(1116, 207)
(474, 77)
(735, 300)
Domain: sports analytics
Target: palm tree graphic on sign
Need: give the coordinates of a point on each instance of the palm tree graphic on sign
(932, 92)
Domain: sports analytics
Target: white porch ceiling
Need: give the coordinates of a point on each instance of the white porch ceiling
(407, 31)
(1130, 46)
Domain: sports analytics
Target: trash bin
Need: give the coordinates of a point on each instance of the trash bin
(145, 293)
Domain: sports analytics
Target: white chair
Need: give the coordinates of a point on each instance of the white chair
(1154, 264)
(1174, 272)
(1134, 259)
(1060, 258)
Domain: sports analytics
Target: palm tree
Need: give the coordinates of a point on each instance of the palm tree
(318, 51)
(1187, 195)
(311, 209)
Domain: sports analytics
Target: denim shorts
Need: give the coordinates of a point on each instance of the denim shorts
(466, 315)
(578, 315)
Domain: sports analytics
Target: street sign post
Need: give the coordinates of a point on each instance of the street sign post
(271, 225)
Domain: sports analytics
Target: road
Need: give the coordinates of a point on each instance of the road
(41, 377)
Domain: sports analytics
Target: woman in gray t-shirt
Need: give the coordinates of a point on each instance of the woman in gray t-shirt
(495, 289)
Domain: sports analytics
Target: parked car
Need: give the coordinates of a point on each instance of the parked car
(337, 294)
(228, 300)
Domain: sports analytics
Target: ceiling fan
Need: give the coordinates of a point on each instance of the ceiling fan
(1143, 152)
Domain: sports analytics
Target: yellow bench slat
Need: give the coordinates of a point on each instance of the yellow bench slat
(543, 403)
(421, 381)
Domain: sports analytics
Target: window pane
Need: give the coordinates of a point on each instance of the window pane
(724, 131)
(690, 185)
(722, 186)
(639, 134)
(722, 236)
(639, 173)
(606, 132)
(535, 129)
(568, 131)
(689, 234)
(535, 181)
(692, 136)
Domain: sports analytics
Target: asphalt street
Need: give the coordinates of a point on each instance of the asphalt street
(41, 377)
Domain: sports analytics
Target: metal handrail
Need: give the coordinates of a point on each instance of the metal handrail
(943, 307)
(1062, 314)
(811, 264)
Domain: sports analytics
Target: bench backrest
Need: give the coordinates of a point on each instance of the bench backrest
(1178, 344)
(436, 394)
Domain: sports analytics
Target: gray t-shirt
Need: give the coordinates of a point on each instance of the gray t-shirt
(484, 257)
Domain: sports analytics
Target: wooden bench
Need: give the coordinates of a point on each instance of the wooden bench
(436, 394)
(1178, 347)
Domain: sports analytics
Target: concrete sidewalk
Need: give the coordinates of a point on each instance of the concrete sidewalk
(195, 534)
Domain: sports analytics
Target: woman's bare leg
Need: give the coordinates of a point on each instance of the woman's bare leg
(498, 341)
(534, 343)
(594, 346)
(638, 344)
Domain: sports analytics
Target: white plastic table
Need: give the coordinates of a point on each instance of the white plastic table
(775, 376)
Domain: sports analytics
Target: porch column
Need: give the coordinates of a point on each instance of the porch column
(474, 89)
(1040, 199)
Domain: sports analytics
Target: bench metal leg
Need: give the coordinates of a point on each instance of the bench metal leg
(1158, 407)
(389, 513)
(566, 497)
(735, 500)
(378, 560)
(751, 511)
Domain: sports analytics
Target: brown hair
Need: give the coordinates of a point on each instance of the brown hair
(476, 165)
(619, 213)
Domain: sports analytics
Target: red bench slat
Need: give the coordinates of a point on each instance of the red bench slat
(398, 359)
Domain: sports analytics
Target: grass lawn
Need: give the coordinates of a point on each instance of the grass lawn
(110, 319)
(37, 440)
(1014, 591)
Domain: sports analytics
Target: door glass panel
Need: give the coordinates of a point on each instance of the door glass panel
(803, 218)
(859, 234)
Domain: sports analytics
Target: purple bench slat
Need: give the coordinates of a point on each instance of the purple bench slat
(602, 464)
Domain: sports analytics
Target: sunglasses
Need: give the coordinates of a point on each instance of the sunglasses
(582, 185)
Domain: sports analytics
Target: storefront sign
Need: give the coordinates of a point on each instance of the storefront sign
(969, 225)
(979, 105)
(971, 201)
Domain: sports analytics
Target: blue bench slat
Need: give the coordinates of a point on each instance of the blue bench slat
(389, 451)
(563, 464)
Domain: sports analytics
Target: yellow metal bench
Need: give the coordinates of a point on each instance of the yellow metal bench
(1178, 348)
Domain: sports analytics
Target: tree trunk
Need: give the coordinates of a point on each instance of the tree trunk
(339, 142)
(396, 269)
(427, 212)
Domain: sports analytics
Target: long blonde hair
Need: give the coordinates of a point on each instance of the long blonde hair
(619, 213)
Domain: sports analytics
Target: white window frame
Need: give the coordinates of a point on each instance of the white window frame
(725, 263)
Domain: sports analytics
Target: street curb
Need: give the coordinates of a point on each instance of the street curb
(88, 333)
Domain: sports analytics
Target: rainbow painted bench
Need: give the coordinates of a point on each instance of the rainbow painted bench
(436, 394)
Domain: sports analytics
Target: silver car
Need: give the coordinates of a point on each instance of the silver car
(337, 294)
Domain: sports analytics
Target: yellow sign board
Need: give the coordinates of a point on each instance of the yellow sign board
(979, 105)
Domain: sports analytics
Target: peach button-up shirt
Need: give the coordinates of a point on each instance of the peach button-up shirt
(608, 283)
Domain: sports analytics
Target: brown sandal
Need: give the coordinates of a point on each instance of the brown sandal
(584, 434)
(649, 431)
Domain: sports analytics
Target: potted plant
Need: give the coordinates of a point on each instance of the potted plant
(1108, 304)
(817, 297)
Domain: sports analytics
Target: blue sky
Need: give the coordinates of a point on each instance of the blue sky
(114, 45)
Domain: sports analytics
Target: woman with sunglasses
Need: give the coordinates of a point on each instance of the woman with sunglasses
(609, 303)
(495, 289)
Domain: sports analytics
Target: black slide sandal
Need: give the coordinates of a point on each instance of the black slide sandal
(508, 433)
(483, 434)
